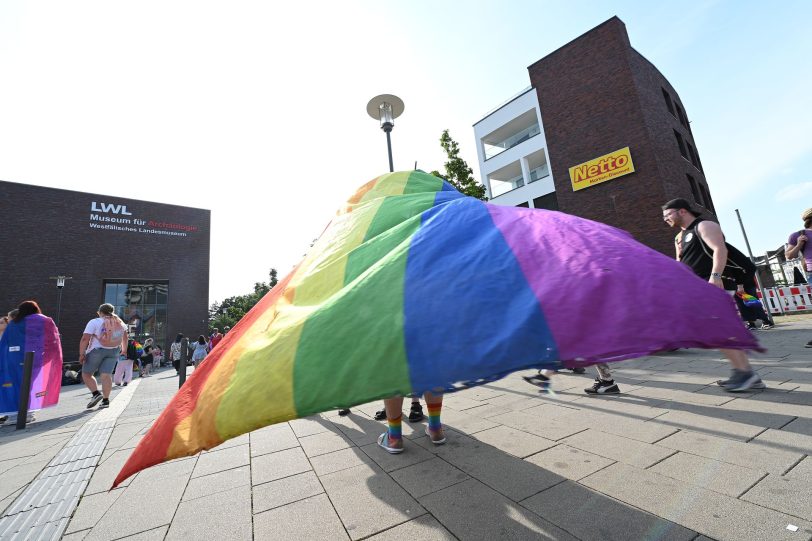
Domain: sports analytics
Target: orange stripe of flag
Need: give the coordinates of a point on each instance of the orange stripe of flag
(152, 449)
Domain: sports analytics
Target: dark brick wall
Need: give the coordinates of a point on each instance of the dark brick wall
(45, 232)
(598, 95)
(661, 125)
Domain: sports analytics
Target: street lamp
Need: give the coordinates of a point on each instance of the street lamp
(60, 283)
(386, 108)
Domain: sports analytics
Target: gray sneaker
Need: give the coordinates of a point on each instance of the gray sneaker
(725, 382)
(743, 381)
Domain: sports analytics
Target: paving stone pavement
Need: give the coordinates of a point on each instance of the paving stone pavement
(672, 457)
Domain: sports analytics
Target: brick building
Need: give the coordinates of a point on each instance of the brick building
(150, 260)
(600, 133)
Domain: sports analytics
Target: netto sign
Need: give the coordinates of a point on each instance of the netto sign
(607, 167)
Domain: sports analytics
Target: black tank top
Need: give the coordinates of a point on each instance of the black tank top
(695, 253)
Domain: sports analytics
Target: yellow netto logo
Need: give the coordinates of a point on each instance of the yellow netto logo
(607, 167)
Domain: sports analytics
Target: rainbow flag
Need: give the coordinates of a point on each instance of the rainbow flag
(748, 299)
(415, 287)
(36, 333)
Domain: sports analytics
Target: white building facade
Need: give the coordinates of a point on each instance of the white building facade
(513, 159)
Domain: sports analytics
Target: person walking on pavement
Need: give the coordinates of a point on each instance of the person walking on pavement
(201, 350)
(701, 245)
(124, 368)
(215, 339)
(798, 246)
(604, 383)
(147, 358)
(104, 338)
(175, 351)
(157, 357)
(29, 330)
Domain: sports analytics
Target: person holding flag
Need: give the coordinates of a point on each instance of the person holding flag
(378, 308)
(700, 244)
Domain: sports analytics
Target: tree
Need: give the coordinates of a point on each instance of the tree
(231, 310)
(457, 171)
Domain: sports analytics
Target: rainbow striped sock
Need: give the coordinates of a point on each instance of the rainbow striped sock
(434, 416)
(394, 429)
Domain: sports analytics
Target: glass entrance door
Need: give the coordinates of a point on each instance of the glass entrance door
(142, 306)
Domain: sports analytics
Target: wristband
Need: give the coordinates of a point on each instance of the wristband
(716, 275)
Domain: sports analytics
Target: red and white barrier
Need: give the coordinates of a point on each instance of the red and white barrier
(782, 300)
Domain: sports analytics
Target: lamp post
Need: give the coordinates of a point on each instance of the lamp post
(758, 279)
(386, 108)
(60, 283)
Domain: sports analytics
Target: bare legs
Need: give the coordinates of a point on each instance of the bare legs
(106, 380)
(394, 413)
(738, 359)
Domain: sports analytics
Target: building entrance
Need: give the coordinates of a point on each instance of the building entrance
(142, 306)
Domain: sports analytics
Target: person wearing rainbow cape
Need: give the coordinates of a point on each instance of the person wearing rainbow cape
(29, 331)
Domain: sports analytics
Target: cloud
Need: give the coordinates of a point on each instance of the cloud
(794, 191)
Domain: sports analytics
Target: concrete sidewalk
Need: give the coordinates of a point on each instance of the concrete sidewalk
(672, 457)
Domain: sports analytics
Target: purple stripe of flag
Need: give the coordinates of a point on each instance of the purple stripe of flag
(607, 297)
(35, 341)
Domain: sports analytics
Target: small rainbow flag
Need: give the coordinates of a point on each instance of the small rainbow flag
(415, 287)
(748, 299)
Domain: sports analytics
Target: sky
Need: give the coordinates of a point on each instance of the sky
(257, 110)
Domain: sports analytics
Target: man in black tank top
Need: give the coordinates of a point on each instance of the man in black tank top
(701, 245)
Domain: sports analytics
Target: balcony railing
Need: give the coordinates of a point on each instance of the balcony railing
(492, 150)
(501, 187)
(539, 172)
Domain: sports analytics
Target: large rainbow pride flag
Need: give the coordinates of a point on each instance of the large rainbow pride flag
(39, 334)
(415, 287)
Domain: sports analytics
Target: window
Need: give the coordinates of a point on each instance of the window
(681, 144)
(681, 116)
(698, 161)
(548, 201)
(142, 306)
(692, 154)
(695, 190)
(706, 197)
(523, 205)
(668, 101)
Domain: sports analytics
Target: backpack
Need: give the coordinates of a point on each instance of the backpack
(134, 350)
(738, 266)
(111, 333)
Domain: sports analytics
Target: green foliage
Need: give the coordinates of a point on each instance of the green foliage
(457, 172)
(231, 310)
